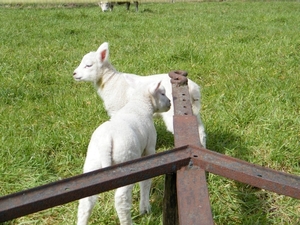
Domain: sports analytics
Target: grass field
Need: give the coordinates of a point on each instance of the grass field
(245, 56)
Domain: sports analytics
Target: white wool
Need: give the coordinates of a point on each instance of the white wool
(115, 92)
(109, 5)
(128, 135)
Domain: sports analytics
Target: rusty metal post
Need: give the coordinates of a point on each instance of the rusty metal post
(185, 132)
(193, 205)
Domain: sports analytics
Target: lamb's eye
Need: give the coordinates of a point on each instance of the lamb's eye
(88, 65)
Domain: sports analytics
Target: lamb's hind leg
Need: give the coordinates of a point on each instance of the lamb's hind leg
(136, 6)
(86, 205)
(127, 5)
(201, 129)
(145, 187)
(123, 201)
(85, 208)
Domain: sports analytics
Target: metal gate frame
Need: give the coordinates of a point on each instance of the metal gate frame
(186, 197)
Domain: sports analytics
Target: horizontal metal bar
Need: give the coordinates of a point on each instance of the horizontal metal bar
(245, 172)
(64, 191)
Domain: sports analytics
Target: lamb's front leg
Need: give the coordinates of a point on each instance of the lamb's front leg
(123, 202)
(145, 187)
(85, 208)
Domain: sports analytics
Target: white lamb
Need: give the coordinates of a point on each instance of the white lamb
(129, 134)
(115, 91)
(109, 5)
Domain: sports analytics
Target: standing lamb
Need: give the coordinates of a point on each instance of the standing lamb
(109, 5)
(115, 91)
(128, 135)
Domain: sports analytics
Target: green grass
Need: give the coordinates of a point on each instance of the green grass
(245, 56)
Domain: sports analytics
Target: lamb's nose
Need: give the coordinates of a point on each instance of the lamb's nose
(74, 73)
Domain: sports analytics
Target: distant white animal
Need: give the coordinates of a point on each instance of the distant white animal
(109, 6)
(128, 135)
(112, 87)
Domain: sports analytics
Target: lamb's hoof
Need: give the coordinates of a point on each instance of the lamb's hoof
(145, 209)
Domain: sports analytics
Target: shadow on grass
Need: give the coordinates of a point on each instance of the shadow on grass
(252, 202)
(253, 207)
(165, 139)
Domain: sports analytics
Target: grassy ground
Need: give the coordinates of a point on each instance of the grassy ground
(245, 55)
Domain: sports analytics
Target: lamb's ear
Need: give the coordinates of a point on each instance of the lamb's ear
(154, 87)
(103, 52)
(134, 83)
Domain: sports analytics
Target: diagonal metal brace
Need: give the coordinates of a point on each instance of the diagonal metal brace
(71, 189)
(245, 172)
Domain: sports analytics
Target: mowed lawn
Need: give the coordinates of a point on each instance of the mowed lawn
(245, 56)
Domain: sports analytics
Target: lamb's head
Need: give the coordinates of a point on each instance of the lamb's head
(91, 65)
(105, 6)
(154, 92)
(160, 101)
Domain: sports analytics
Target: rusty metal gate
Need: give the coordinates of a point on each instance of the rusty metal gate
(186, 197)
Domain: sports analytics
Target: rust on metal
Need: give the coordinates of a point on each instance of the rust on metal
(64, 191)
(245, 172)
(185, 132)
(189, 136)
(178, 77)
(192, 196)
(191, 180)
